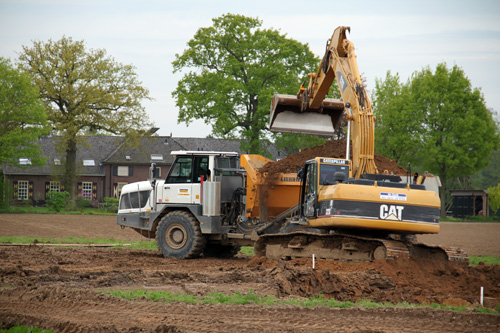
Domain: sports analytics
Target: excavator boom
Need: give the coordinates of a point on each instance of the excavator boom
(311, 113)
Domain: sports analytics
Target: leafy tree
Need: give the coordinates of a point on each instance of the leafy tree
(489, 176)
(398, 123)
(85, 92)
(22, 117)
(237, 68)
(451, 131)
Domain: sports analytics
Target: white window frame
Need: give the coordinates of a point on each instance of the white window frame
(89, 163)
(122, 171)
(55, 186)
(156, 157)
(24, 161)
(23, 189)
(87, 190)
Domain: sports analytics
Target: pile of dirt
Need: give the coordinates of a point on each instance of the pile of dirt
(418, 281)
(332, 148)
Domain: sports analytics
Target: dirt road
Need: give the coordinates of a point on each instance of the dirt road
(62, 288)
(474, 238)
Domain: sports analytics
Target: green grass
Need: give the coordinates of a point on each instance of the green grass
(252, 298)
(488, 260)
(23, 329)
(478, 218)
(45, 210)
(144, 245)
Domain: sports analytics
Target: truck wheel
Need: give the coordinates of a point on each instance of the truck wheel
(179, 236)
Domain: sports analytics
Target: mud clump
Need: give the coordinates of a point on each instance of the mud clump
(332, 148)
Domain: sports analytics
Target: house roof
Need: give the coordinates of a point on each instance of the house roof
(151, 149)
(96, 151)
(91, 151)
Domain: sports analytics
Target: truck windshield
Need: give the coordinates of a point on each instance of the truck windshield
(181, 170)
(134, 200)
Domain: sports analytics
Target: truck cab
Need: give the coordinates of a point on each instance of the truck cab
(190, 207)
(190, 170)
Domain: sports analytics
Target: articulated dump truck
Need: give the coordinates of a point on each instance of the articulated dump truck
(212, 203)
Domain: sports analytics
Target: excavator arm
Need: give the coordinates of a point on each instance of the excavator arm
(311, 113)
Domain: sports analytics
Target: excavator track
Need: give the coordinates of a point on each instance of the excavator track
(349, 248)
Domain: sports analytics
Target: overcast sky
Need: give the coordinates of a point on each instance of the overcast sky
(400, 36)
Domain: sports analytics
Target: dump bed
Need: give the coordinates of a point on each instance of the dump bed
(268, 195)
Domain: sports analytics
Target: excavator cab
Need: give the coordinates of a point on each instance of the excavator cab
(316, 174)
(290, 114)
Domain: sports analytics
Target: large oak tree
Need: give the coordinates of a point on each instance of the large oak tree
(85, 91)
(231, 71)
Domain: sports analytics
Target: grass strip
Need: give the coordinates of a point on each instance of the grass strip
(143, 245)
(24, 329)
(45, 210)
(252, 298)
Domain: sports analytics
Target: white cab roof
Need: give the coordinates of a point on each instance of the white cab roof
(204, 153)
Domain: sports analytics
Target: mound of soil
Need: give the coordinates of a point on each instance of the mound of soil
(418, 281)
(332, 148)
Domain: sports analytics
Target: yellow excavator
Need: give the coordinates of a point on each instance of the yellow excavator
(348, 210)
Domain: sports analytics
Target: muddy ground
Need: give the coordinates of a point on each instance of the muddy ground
(61, 288)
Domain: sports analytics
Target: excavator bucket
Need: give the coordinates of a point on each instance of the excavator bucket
(287, 116)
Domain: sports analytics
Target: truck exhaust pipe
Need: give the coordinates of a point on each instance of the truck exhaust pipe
(289, 115)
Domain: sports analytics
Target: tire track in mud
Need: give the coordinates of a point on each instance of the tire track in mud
(76, 310)
(59, 288)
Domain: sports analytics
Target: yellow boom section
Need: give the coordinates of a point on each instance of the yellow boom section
(310, 110)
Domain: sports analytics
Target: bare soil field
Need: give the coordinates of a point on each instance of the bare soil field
(61, 288)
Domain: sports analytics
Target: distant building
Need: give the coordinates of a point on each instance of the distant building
(470, 203)
(105, 164)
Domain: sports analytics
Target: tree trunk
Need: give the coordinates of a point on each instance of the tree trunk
(70, 170)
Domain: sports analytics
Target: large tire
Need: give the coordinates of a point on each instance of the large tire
(179, 236)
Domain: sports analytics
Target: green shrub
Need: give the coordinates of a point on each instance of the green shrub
(56, 201)
(110, 200)
(82, 203)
